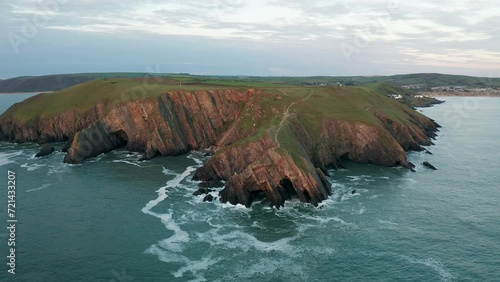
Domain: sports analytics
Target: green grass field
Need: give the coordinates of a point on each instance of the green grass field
(61, 81)
(341, 102)
(82, 97)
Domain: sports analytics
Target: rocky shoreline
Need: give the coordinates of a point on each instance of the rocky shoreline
(258, 147)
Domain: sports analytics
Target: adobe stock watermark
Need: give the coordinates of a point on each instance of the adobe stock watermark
(227, 7)
(31, 25)
(464, 110)
(457, 114)
(365, 36)
(121, 276)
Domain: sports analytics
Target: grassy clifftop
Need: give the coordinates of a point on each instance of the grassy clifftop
(275, 139)
(80, 98)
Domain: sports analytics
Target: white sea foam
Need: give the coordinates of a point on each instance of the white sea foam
(235, 207)
(6, 158)
(434, 264)
(354, 178)
(171, 248)
(39, 188)
(167, 171)
(388, 222)
(32, 167)
(362, 211)
(245, 242)
(127, 162)
(411, 180)
(321, 219)
(162, 192)
(195, 266)
(96, 159)
(5, 162)
(165, 255)
(173, 243)
(387, 225)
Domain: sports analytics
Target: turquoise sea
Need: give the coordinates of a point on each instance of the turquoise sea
(116, 219)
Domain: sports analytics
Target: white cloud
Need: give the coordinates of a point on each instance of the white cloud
(422, 26)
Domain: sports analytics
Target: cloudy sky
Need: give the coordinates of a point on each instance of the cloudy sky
(258, 37)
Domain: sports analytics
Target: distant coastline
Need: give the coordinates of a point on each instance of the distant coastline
(414, 82)
(460, 94)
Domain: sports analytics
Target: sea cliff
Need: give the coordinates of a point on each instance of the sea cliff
(272, 142)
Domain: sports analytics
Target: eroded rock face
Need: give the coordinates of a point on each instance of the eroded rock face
(247, 151)
(260, 169)
(45, 150)
(55, 128)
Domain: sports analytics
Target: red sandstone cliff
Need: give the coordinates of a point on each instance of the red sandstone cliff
(178, 122)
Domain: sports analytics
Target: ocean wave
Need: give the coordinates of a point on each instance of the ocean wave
(167, 171)
(39, 188)
(170, 249)
(175, 242)
(246, 232)
(324, 220)
(434, 264)
(411, 180)
(387, 224)
(95, 159)
(32, 167)
(265, 267)
(195, 266)
(127, 162)
(246, 242)
(357, 178)
(7, 158)
(5, 162)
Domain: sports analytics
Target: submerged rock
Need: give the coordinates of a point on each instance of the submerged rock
(208, 198)
(428, 165)
(202, 191)
(45, 150)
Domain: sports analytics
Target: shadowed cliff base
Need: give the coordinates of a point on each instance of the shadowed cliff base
(268, 141)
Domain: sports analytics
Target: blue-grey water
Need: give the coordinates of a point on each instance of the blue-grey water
(115, 219)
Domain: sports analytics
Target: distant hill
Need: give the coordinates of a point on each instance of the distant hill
(57, 81)
(421, 80)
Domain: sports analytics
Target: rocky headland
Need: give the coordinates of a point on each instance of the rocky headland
(266, 141)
